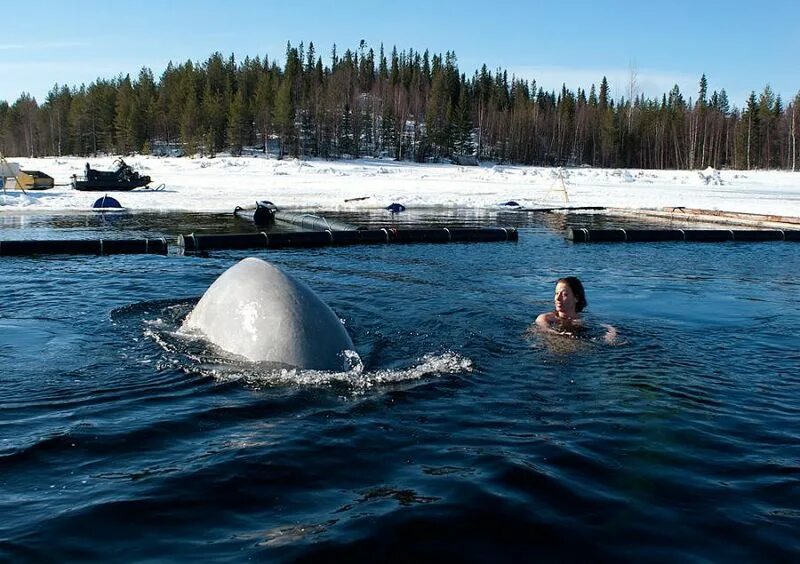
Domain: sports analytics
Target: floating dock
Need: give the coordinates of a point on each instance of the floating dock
(583, 235)
(696, 215)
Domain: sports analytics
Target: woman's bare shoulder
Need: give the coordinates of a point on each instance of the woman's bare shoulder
(545, 319)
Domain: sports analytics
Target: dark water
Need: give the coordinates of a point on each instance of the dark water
(461, 436)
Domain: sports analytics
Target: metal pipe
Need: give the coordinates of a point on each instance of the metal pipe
(315, 222)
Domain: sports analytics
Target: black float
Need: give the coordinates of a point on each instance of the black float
(84, 247)
(199, 243)
(584, 235)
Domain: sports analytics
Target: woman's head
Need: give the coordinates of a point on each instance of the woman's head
(570, 295)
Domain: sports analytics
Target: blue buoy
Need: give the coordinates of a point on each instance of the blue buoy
(107, 202)
(396, 208)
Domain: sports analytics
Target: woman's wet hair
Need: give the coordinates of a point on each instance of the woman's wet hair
(577, 289)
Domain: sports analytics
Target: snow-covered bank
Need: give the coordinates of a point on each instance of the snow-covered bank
(221, 183)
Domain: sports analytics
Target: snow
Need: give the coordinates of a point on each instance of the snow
(219, 184)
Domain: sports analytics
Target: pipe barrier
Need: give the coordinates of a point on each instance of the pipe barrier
(583, 235)
(199, 243)
(315, 222)
(84, 247)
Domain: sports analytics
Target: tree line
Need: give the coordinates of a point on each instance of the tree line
(409, 105)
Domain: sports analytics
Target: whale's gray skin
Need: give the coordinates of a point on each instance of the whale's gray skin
(256, 310)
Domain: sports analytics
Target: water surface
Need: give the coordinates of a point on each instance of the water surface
(460, 436)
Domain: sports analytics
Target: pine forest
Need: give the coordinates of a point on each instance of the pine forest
(407, 105)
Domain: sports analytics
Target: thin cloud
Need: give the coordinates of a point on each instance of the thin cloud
(38, 46)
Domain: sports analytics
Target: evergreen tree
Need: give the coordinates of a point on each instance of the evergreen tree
(463, 141)
(793, 134)
(238, 121)
(345, 139)
(412, 104)
(144, 111)
(190, 117)
(213, 119)
(79, 123)
(58, 102)
(766, 122)
(751, 119)
(383, 69)
(124, 120)
(604, 95)
(284, 117)
(264, 106)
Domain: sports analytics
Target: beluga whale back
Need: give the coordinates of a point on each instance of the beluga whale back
(256, 310)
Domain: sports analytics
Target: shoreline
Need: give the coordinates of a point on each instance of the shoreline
(219, 184)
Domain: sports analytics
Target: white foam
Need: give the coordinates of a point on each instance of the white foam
(189, 351)
(357, 378)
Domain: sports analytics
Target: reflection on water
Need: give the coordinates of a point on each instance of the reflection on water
(171, 224)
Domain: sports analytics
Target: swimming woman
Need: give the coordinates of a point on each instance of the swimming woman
(570, 301)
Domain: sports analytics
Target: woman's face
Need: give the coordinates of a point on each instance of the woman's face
(564, 299)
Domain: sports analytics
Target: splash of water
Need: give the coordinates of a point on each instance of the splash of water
(192, 353)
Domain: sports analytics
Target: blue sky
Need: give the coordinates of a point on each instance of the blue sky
(740, 46)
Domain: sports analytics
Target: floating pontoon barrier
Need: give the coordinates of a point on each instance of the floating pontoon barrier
(84, 247)
(199, 243)
(315, 222)
(265, 213)
(583, 235)
(705, 215)
(736, 219)
(559, 208)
